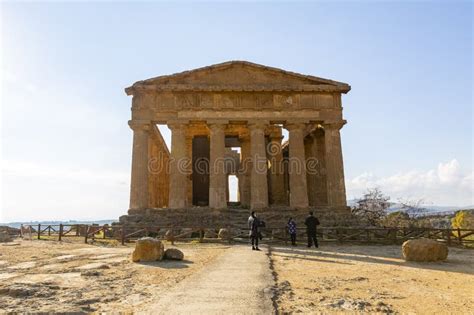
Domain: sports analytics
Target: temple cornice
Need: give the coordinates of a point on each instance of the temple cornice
(143, 88)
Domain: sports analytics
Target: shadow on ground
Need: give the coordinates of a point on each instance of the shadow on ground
(168, 264)
(462, 262)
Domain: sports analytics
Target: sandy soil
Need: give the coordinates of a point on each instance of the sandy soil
(49, 276)
(371, 279)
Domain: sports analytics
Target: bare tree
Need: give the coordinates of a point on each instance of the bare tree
(413, 207)
(372, 207)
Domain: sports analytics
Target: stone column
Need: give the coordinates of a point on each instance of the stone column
(189, 155)
(217, 174)
(245, 171)
(277, 193)
(310, 151)
(258, 178)
(297, 166)
(178, 194)
(139, 178)
(334, 165)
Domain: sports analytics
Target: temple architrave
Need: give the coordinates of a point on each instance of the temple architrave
(228, 119)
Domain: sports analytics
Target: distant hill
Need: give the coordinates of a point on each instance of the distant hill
(430, 209)
(18, 224)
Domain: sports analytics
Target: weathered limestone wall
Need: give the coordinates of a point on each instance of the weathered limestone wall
(158, 171)
(165, 106)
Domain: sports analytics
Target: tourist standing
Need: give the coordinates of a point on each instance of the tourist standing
(311, 223)
(254, 231)
(292, 231)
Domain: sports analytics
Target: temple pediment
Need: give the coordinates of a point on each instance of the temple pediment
(238, 76)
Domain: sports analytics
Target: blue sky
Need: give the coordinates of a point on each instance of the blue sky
(66, 146)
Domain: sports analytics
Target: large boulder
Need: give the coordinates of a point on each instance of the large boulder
(148, 249)
(174, 254)
(224, 234)
(5, 237)
(424, 250)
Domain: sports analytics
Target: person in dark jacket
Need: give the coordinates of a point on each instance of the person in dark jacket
(254, 230)
(292, 230)
(311, 223)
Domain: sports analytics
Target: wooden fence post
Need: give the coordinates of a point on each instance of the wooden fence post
(87, 234)
(459, 236)
(21, 230)
(122, 235)
(60, 232)
(39, 231)
(449, 232)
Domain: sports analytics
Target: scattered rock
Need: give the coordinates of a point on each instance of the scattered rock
(224, 234)
(88, 301)
(104, 256)
(23, 265)
(21, 290)
(91, 273)
(91, 266)
(65, 257)
(4, 276)
(424, 250)
(148, 249)
(173, 254)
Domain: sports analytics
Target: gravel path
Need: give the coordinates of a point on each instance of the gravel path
(239, 281)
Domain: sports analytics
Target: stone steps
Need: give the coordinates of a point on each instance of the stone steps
(234, 217)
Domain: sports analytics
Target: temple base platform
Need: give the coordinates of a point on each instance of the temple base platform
(234, 217)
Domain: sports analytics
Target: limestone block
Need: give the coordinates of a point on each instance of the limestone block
(224, 234)
(5, 237)
(174, 254)
(169, 235)
(424, 250)
(148, 249)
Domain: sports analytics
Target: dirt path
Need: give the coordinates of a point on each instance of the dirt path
(239, 281)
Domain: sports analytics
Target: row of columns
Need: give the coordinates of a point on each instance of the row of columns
(254, 186)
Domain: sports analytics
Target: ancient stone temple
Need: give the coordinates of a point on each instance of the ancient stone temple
(228, 119)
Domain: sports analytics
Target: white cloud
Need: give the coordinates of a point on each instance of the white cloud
(448, 184)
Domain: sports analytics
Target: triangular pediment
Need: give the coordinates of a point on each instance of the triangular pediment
(239, 75)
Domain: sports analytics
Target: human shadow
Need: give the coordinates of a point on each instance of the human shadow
(275, 253)
(379, 254)
(168, 264)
